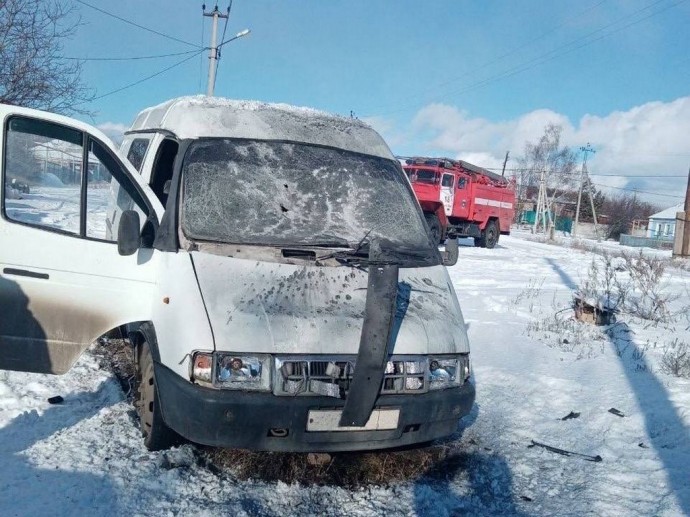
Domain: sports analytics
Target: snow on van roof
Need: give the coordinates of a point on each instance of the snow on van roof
(201, 117)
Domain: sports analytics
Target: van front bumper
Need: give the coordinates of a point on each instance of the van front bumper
(249, 420)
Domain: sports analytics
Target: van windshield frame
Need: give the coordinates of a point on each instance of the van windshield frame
(285, 194)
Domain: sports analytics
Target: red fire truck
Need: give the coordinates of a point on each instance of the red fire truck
(462, 200)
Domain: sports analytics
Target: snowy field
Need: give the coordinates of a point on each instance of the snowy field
(86, 455)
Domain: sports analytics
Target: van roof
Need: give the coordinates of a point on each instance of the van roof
(215, 117)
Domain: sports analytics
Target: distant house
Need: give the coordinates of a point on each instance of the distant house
(663, 224)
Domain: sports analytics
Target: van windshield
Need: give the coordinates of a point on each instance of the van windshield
(281, 194)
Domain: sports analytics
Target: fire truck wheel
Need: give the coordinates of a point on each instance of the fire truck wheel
(434, 227)
(491, 235)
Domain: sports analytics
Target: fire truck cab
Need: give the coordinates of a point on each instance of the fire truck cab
(462, 200)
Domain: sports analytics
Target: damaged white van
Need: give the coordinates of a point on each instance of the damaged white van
(269, 264)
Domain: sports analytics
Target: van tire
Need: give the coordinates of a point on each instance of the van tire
(157, 435)
(434, 228)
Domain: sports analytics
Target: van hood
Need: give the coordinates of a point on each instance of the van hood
(269, 307)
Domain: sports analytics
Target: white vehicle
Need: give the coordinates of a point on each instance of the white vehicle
(269, 263)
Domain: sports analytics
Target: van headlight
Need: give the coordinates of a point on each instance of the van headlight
(232, 371)
(448, 372)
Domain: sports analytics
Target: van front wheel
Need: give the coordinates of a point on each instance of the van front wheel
(157, 435)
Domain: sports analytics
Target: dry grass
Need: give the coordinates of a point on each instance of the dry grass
(343, 469)
(117, 355)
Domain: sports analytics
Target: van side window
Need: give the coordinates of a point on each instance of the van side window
(42, 174)
(461, 183)
(447, 180)
(108, 193)
(163, 168)
(137, 152)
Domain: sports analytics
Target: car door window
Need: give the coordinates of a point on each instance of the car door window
(43, 174)
(50, 182)
(447, 180)
(461, 183)
(109, 193)
(137, 152)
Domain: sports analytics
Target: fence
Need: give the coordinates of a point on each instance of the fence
(645, 242)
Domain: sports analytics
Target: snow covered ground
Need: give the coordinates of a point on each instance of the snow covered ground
(86, 454)
(58, 208)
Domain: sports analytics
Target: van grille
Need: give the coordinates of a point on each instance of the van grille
(332, 376)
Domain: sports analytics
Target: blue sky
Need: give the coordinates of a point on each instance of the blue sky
(469, 79)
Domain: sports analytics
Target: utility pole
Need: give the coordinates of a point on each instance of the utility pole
(505, 162)
(541, 203)
(594, 210)
(213, 52)
(585, 151)
(681, 244)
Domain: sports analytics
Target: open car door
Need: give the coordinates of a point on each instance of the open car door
(62, 281)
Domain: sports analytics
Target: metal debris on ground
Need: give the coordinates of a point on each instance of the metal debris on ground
(563, 452)
(616, 412)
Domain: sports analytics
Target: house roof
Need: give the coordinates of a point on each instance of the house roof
(215, 117)
(669, 213)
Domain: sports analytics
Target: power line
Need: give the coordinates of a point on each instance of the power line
(130, 58)
(222, 38)
(173, 38)
(527, 169)
(149, 76)
(520, 47)
(201, 57)
(225, 27)
(548, 56)
(638, 191)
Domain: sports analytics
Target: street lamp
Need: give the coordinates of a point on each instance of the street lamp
(240, 34)
(215, 53)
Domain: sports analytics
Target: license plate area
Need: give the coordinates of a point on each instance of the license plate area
(324, 420)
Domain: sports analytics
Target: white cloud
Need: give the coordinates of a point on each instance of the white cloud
(644, 141)
(113, 130)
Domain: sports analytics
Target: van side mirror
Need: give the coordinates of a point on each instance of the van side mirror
(128, 233)
(450, 256)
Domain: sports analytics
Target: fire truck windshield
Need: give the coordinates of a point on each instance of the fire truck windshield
(422, 176)
(280, 194)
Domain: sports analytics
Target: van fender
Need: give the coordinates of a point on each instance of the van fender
(144, 332)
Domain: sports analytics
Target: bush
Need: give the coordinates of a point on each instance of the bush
(676, 359)
(651, 301)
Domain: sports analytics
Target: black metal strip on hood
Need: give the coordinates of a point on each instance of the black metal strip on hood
(382, 291)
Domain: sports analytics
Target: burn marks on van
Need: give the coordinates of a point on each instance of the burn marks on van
(269, 307)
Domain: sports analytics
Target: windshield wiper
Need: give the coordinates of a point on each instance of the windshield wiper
(328, 241)
(367, 252)
(357, 250)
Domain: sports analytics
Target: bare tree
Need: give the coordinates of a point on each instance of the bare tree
(33, 69)
(622, 210)
(548, 156)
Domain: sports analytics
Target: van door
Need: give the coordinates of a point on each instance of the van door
(447, 192)
(62, 282)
